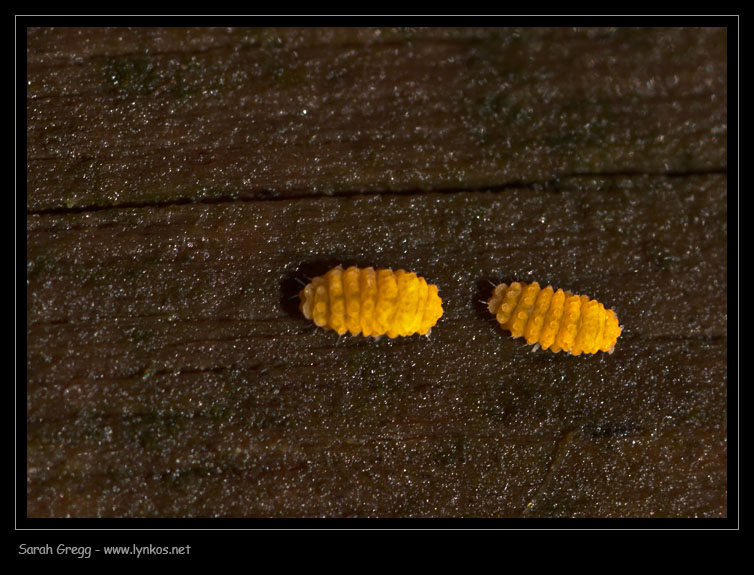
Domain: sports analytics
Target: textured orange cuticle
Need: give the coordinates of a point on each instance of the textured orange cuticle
(371, 302)
(555, 320)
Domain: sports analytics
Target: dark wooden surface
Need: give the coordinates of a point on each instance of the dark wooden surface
(181, 182)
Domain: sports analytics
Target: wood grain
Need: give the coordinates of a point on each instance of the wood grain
(177, 193)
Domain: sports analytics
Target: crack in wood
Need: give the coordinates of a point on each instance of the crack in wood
(543, 185)
(560, 452)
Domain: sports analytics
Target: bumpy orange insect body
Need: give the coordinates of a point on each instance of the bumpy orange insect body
(371, 302)
(555, 320)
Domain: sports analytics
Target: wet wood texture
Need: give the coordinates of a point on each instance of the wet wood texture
(181, 182)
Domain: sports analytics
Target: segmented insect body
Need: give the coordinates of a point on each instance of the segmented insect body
(371, 302)
(555, 320)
